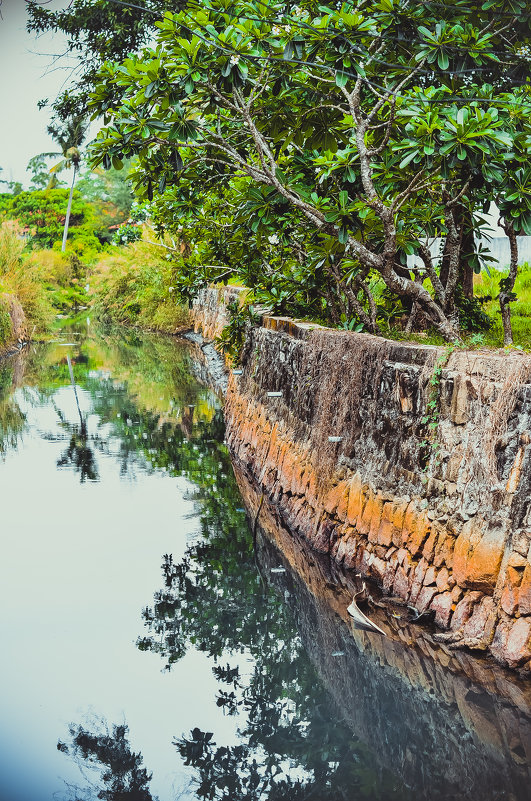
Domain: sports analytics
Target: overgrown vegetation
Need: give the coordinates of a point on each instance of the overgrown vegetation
(24, 281)
(135, 285)
(5, 323)
(311, 151)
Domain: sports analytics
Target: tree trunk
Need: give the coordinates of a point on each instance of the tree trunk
(468, 247)
(507, 284)
(68, 210)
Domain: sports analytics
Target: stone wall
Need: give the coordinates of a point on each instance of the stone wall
(209, 309)
(424, 486)
(447, 724)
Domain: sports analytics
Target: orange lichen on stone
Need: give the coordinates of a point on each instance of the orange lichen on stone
(477, 556)
(376, 518)
(385, 530)
(371, 510)
(355, 501)
(337, 497)
(415, 530)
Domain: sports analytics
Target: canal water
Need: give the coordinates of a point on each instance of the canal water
(153, 648)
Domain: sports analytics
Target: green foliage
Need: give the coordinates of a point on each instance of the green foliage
(133, 284)
(126, 234)
(488, 288)
(110, 196)
(283, 135)
(473, 316)
(40, 172)
(232, 338)
(42, 213)
(25, 282)
(5, 323)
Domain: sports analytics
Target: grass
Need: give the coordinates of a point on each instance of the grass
(134, 285)
(23, 280)
(5, 323)
(487, 287)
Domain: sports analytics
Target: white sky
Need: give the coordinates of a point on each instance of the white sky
(27, 75)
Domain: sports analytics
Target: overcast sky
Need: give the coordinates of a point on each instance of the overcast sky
(27, 76)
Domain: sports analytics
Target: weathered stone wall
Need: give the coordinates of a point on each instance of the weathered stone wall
(209, 309)
(449, 725)
(427, 491)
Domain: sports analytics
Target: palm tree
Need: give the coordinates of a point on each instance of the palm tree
(70, 138)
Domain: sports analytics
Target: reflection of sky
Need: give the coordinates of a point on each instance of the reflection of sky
(79, 562)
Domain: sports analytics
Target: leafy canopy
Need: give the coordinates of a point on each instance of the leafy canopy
(329, 143)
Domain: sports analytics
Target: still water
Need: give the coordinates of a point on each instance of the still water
(152, 648)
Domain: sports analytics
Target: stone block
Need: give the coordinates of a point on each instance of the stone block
(401, 584)
(355, 501)
(372, 511)
(464, 608)
(442, 606)
(378, 568)
(509, 599)
(477, 555)
(389, 577)
(336, 498)
(524, 594)
(444, 550)
(415, 530)
(459, 403)
(428, 550)
(442, 580)
(349, 558)
(482, 620)
(512, 641)
(424, 598)
(385, 531)
(430, 576)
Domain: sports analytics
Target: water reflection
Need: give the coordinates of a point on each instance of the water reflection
(301, 705)
(117, 771)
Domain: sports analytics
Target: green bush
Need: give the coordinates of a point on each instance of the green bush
(25, 280)
(5, 323)
(133, 284)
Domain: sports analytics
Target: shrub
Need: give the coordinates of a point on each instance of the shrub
(133, 284)
(22, 279)
(5, 323)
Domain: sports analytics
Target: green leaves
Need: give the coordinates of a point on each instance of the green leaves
(228, 106)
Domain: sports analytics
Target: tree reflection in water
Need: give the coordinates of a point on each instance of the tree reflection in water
(293, 742)
(121, 776)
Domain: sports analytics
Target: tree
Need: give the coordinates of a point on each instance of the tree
(40, 172)
(69, 136)
(372, 127)
(110, 195)
(96, 30)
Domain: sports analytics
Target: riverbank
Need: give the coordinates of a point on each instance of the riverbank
(13, 325)
(409, 464)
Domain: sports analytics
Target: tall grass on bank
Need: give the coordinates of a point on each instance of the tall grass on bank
(133, 285)
(25, 280)
(488, 288)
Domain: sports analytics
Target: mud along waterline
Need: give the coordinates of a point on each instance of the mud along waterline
(143, 634)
